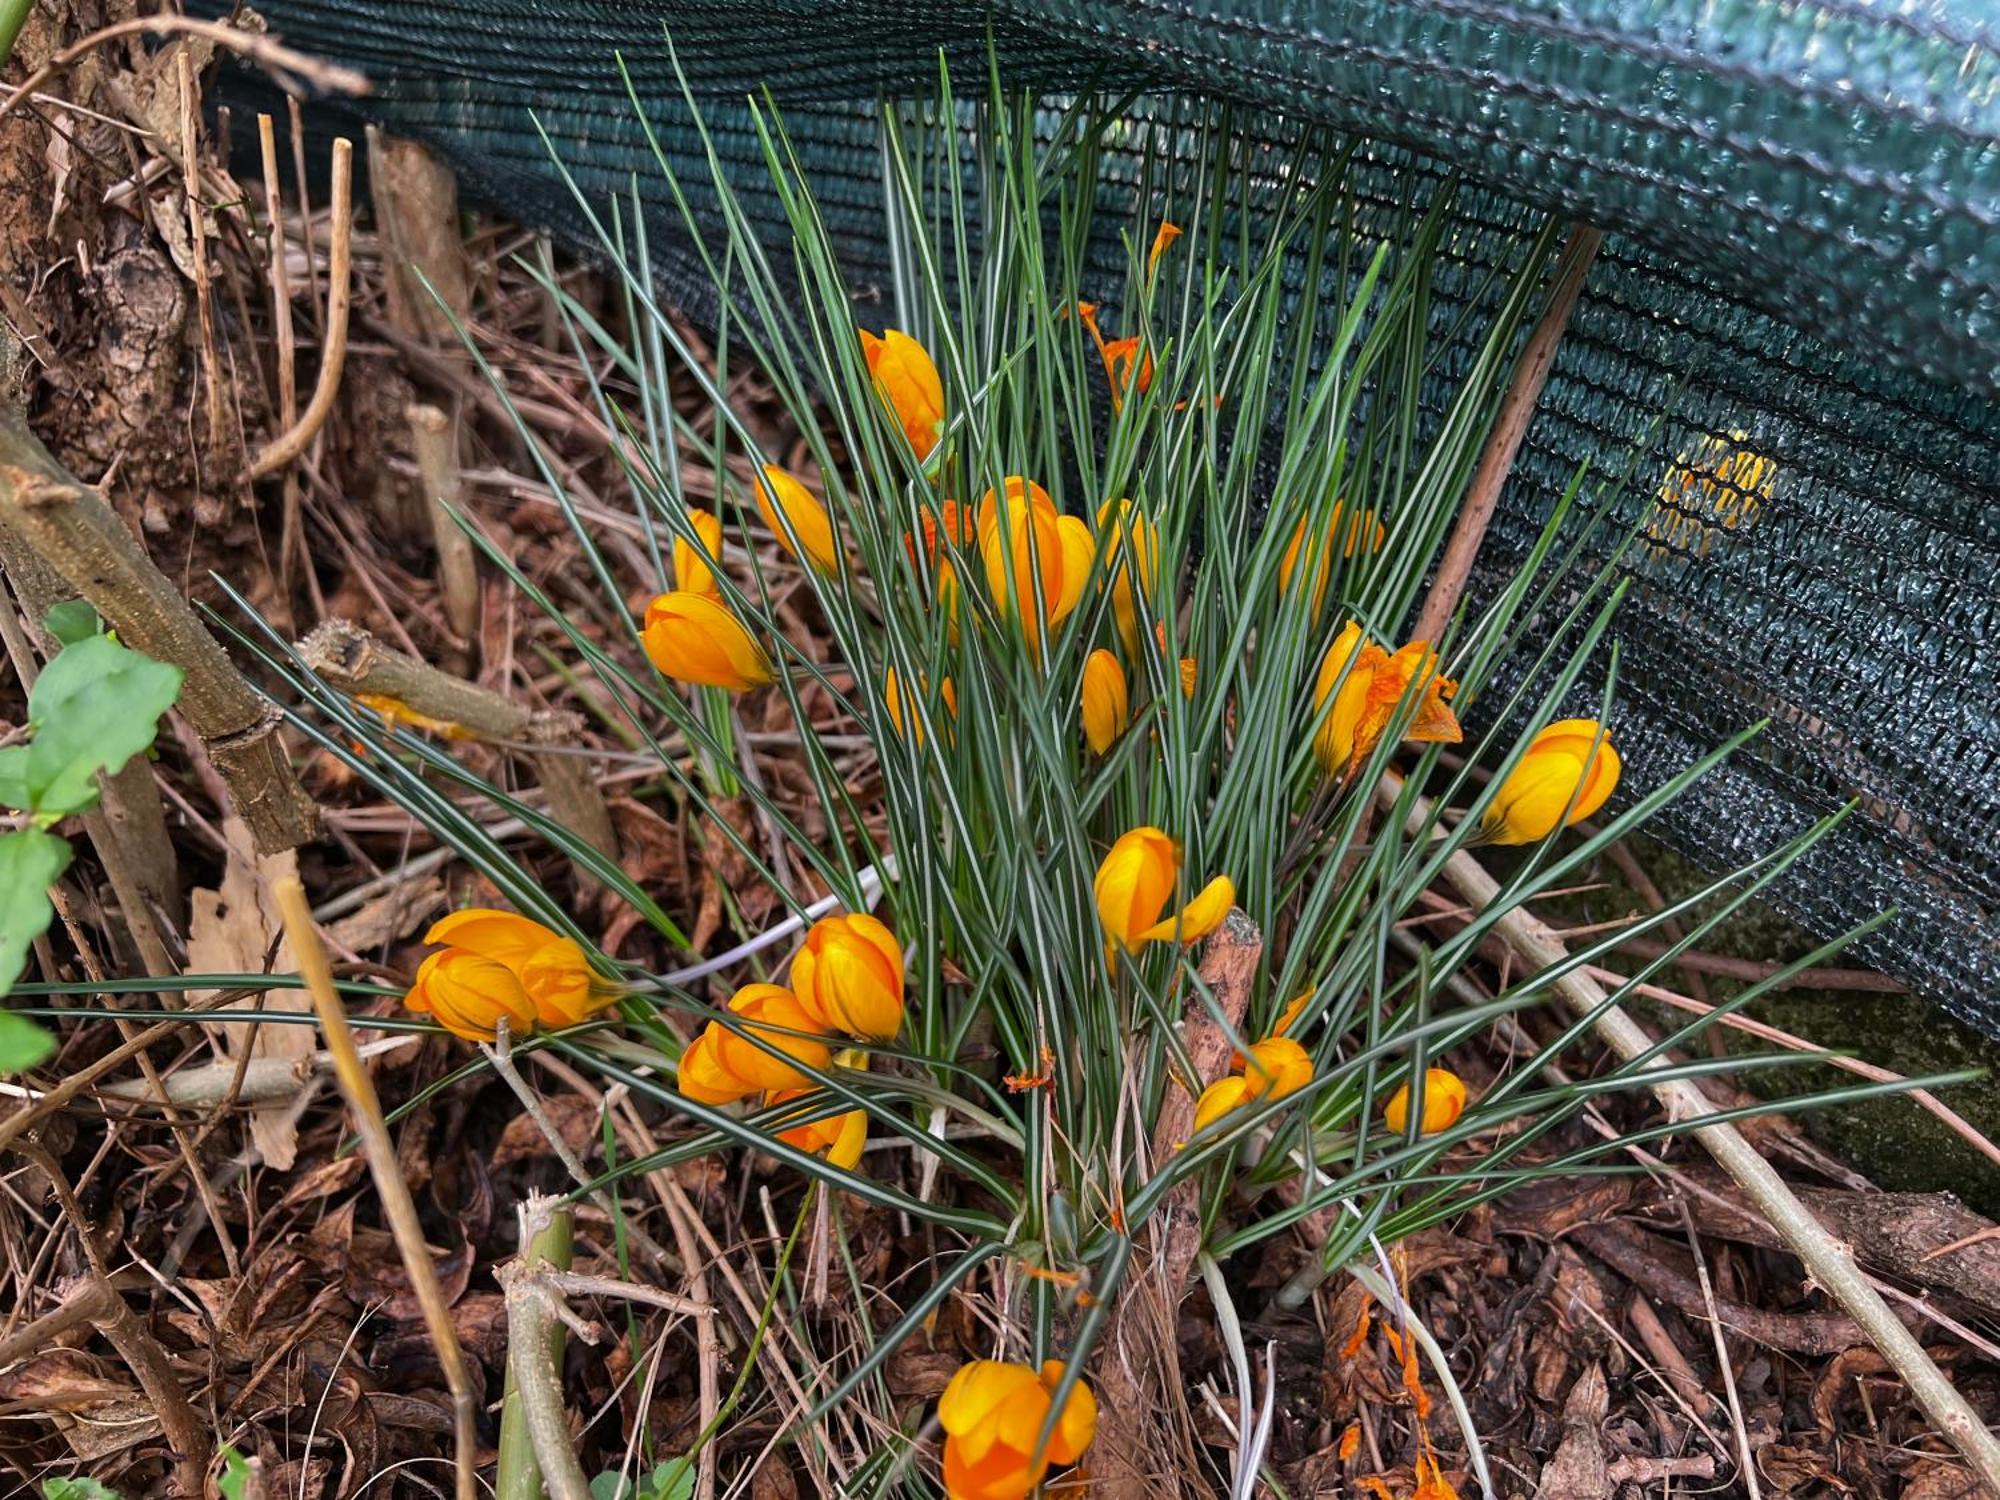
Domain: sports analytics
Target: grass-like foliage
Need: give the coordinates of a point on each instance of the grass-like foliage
(1287, 381)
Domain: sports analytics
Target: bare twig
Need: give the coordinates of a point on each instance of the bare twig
(1517, 409)
(263, 50)
(1826, 1260)
(288, 445)
(397, 1205)
(204, 296)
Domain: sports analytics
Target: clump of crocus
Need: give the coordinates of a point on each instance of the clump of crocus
(500, 965)
(696, 558)
(812, 526)
(1107, 704)
(1028, 546)
(993, 1412)
(1273, 1069)
(838, 1138)
(849, 976)
(1361, 533)
(1367, 700)
(1568, 772)
(694, 638)
(722, 1066)
(1129, 555)
(1137, 880)
(892, 700)
(908, 383)
(1444, 1102)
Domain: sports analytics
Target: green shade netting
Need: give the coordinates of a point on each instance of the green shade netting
(1800, 269)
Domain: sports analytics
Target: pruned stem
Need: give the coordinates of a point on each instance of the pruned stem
(534, 1361)
(545, 1242)
(437, 472)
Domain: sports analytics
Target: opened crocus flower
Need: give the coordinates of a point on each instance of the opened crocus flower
(909, 386)
(892, 700)
(1136, 881)
(694, 638)
(849, 976)
(1444, 1102)
(695, 560)
(1567, 773)
(810, 522)
(839, 1138)
(1124, 359)
(720, 1066)
(993, 1412)
(466, 986)
(1275, 1068)
(1106, 702)
(1373, 691)
(1362, 533)
(1027, 545)
(1129, 549)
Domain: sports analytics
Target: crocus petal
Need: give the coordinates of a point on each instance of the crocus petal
(505, 937)
(811, 523)
(1077, 1425)
(703, 1078)
(1218, 1099)
(1134, 883)
(1106, 701)
(1198, 918)
(468, 995)
(1444, 1102)
(695, 560)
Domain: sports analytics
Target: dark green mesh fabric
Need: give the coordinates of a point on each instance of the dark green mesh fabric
(1800, 265)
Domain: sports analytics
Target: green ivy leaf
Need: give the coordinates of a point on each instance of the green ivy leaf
(76, 1487)
(30, 861)
(22, 1044)
(72, 620)
(96, 706)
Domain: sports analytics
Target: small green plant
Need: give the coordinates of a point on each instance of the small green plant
(76, 1487)
(96, 706)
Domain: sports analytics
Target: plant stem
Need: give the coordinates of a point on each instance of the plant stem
(545, 1241)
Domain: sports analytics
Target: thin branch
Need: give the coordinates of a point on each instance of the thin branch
(397, 1205)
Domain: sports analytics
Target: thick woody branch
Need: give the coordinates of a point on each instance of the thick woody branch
(71, 528)
(353, 662)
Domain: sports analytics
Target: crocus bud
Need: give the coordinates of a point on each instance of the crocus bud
(1362, 533)
(694, 638)
(908, 383)
(810, 522)
(1106, 704)
(469, 996)
(695, 561)
(839, 1138)
(1136, 881)
(849, 975)
(1277, 1067)
(1129, 551)
(1567, 772)
(1024, 542)
(993, 1413)
(892, 700)
(1444, 1102)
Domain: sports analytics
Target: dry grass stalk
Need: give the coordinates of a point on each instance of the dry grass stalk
(290, 444)
(351, 661)
(397, 1205)
(72, 529)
